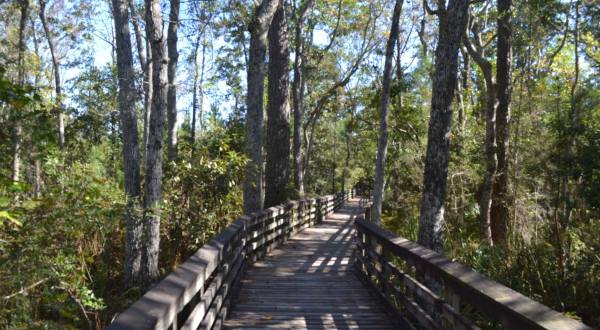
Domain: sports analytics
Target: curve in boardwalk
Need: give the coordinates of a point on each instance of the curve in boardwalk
(309, 283)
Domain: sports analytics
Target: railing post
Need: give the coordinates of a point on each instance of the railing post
(318, 210)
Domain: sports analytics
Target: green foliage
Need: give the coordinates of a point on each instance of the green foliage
(49, 263)
(202, 192)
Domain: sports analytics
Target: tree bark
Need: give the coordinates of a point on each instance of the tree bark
(451, 27)
(131, 157)
(278, 111)
(198, 95)
(154, 152)
(194, 94)
(500, 212)
(146, 67)
(17, 128)
(259, 27)
(379, 187)
(172, 75)
(298, 96)
(476, 51)
(56, 69)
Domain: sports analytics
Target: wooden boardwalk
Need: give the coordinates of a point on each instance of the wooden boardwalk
(309, 283)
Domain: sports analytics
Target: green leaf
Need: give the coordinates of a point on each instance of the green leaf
(7, 216)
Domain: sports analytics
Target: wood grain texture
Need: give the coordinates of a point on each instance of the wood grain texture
(309, 283)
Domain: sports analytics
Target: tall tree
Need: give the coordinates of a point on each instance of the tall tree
(259, 27)
(172, 75)
(131, 157)
(57, 79)
(476, 50)
(17, 128)
(452, 22)
(154, 152)
(379, 187)
(278, 111)
(146, 66)
(298, 94)
(500, 213)
(197, 100)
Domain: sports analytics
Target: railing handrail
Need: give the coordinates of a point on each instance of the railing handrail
(197, 292)
(496, 301)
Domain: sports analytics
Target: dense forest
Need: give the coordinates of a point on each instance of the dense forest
(134, 131)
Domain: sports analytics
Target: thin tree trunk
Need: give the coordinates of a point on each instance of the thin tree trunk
(462, 88)
(172, 75)
(37, 166)
(379, 187)
(57, 82)
(500, 212)
(154, 153)
(17, 129)
(194, 95)
(201, 87)
(346, 162)
(131, 157)
(278, 111)
(485, 201)
(298, 96)
(148, 98)
(451, 27)
(198, 101)
(146, 67)
(491, 103)
(259, 27)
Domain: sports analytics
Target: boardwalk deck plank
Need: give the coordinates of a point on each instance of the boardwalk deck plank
(309, 283)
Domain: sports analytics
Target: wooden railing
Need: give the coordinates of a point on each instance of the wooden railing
(425, 290)
(198, 293)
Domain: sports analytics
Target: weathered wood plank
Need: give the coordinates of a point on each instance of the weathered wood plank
(512, 309)
(309, 281)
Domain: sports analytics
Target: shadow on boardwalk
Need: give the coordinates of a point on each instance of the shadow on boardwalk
(309, 283)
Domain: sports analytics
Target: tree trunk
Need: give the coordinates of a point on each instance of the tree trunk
(451, 27)
(253, 184)
(146, 66)
(154, 152)
(17, 129)
(491, 103)
(148, 97)
(198, 101)
(201, 87)
(379, 187)
(278, 111)
(131, 158)
(298, 96)
(500, 213)
(194, 94)
(57, 82)
(485, 201)
(172, 75)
